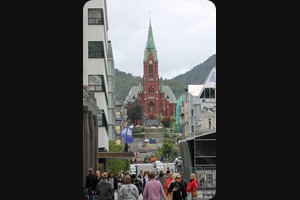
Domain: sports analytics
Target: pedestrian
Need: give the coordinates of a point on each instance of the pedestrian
(120, 180)
(104, 190)
(89, 183)
(137, 182)
(176, 187)
(162, 179)
(192, 186)
(184, 183)
(153, 189)
(96, 181)
(145, 179)
(128, 190)
(167, 183)
(110, 178)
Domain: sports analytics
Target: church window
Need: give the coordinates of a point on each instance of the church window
(150, 69)
(151, 107)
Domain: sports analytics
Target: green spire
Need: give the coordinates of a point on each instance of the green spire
(150, 46)
(150, 41)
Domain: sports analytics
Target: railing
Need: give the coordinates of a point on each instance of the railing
(206, 186)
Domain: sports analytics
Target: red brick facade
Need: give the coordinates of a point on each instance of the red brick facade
(151, 96)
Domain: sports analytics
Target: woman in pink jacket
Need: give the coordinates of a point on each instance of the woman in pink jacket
(153, 189)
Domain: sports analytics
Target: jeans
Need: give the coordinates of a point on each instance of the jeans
(91, 193)
(189, 195)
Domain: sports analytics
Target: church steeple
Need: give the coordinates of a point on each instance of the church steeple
(150, 40)
(150, 45)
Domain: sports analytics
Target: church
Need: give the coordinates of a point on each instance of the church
(155, 98)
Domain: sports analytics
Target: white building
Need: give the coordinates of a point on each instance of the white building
(201, 107)
(96, 69)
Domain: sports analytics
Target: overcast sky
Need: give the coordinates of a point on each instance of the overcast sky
(184, 33)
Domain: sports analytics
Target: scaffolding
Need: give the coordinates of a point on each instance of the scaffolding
(199, 157)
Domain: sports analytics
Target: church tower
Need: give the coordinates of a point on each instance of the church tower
(151, 93)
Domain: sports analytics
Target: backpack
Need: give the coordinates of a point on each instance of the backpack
(138, 184)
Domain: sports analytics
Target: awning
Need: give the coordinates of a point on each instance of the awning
(120, 155)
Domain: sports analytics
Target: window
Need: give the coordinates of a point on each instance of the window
(150, 69)
(208, 93)
(192, 127)
(151, 89)
(96, 83)
(95, 16)
(151, 107)
(209, 179)
(96, 49)
(192, 113)
(101, 119)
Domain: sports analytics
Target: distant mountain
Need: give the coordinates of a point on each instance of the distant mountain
(197, 75)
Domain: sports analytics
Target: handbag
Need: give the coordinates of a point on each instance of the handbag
(194, 193)
(170, 196)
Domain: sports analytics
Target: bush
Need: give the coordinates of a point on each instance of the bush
(136, 129)
(166, 135)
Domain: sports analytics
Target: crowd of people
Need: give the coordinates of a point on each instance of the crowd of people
(151, 185)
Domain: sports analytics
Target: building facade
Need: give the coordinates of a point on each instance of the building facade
(111, 95)
(201, 108)
(95, 79)
(155, 98)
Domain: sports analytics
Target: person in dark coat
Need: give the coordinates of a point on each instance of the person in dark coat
(177, 188)
(104, 190)
(89, 183)
(96, 180)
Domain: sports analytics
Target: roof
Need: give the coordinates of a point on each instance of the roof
(167, 90)
(150, 40)
(194, 89)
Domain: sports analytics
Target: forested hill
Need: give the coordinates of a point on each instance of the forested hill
(198, 74)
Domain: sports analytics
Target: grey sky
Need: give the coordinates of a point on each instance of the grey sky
(184, 33)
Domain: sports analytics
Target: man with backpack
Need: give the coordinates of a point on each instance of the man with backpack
(137, 182)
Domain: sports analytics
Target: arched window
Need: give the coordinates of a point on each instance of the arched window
(150, 69)
(151, 89)
(151, 107)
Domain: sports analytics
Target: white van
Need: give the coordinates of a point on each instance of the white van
(158, 165)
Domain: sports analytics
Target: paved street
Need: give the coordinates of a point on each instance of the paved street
(200, 196)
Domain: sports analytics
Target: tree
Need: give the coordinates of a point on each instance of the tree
(168, 149)
(117, 164)
(166, 122)
(134, 111)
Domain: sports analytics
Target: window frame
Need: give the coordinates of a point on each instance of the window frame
(93, 20)
(93, 53)
(101, 84)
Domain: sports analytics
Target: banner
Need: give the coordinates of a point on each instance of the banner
(126, 133)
